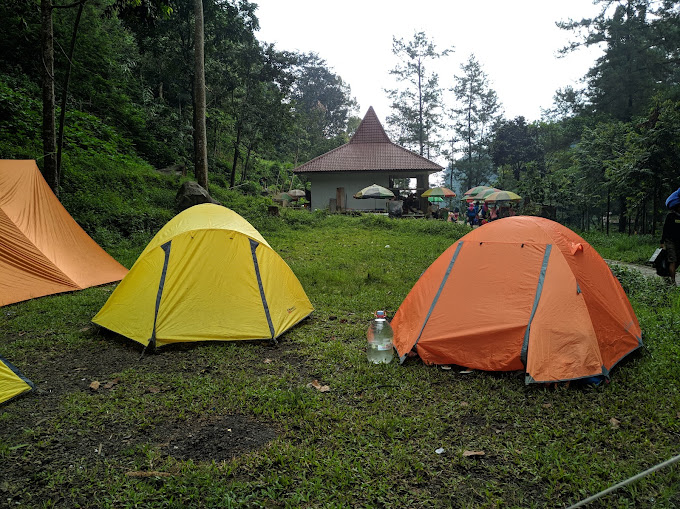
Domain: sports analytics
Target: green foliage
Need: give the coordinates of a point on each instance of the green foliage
(323, 106)
(622, 247)
(477, 108)
(20, 111)
(417, 100)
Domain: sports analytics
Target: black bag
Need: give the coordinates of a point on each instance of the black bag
(660, 262)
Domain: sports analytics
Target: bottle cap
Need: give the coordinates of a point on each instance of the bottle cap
(380, 314)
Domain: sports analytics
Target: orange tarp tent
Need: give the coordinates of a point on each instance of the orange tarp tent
(42, 249)
(520, 293)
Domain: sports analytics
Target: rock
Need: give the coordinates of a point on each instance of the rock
(190, 194)
(175, 169)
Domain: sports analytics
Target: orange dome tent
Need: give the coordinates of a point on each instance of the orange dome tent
(521, 293)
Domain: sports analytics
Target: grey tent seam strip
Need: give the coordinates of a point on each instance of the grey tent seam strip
(439, 292)
(161, 286)
(537, 298)
(253, 247)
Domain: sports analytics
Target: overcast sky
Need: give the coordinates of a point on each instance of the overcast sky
(515, 42)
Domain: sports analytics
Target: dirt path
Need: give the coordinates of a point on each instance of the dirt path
(646, 270)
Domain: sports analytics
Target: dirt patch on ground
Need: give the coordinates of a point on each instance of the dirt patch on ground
(645, 270)
(37, 436)
(219, 439)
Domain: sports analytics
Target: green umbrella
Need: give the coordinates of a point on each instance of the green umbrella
(435, 199)
(503, 196)
(476, 189)
(480, 195)
(441, 192)
(283, 197)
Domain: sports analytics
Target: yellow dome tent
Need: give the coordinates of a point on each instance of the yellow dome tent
(12, 382)
(206, 275)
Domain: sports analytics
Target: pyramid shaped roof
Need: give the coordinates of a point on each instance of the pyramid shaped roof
(369, 149)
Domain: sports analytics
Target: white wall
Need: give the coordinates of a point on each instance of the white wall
(324, 186)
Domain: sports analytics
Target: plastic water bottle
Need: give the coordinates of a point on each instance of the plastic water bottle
(379, 337)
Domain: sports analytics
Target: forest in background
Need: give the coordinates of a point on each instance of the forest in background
(125, 92)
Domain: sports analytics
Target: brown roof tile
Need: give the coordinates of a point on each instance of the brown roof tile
(369, 149)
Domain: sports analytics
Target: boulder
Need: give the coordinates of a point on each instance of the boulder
(190, 194)
(175, 169)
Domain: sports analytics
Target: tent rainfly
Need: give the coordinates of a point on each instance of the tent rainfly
(12, 382)
(521, 293)
(42, 249)
(206, 275)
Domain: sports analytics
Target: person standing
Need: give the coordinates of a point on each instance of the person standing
(471, 213)
(670, 235)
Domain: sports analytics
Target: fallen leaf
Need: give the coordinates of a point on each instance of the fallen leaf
(614, 422)
(547, 405)
(153, 390)
(473, 453)
(85, 329)
(464, 403)
(94, 385)
(267, 361)
(150, 473)
(318, 386)
(110, 384)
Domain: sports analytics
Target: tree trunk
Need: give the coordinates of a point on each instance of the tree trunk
(608, 208)
(48, 126)
(200, 134)
(420, 111)
(237, 144)
(62, 112)
(655, 205)
(244, 174)
(623, 214)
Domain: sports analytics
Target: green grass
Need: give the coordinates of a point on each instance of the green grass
(371, 440)
(624, 248)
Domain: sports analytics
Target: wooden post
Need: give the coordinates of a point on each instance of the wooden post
(340, 198)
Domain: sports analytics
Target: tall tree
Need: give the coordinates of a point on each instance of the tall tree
(200, 135)
(633, 67)
(516, 147)
(322, 103)
(49, 133)
(64, 91)
(417, 104)
(477, 108)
